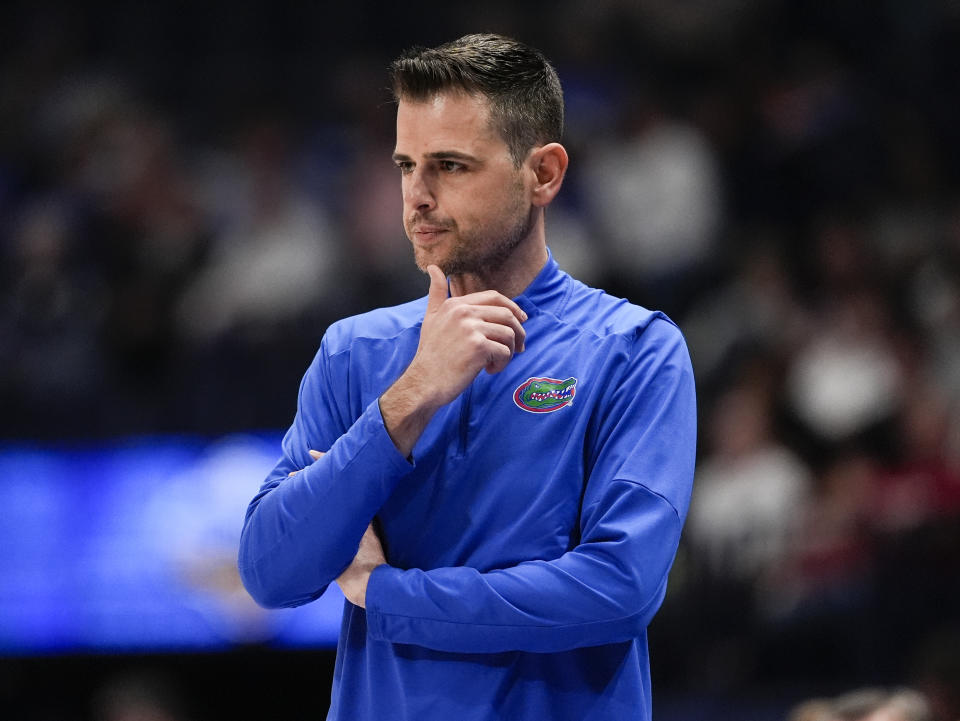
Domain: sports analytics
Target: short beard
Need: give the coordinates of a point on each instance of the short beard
(478, 253)
(472, 256)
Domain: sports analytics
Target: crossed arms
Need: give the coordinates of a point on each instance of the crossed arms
(304, 531)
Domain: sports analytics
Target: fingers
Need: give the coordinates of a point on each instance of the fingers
(438, 288)
(313, 454)
(498, 324)
(482, 316)
(353, 581)
(493, 298)
(460, 336)
(498, 356)
(506, 319)
(504, 336)
(439, 292)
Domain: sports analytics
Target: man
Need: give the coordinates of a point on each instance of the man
(503, 467)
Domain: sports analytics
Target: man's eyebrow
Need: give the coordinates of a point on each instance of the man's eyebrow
(440, 155)
(452, 155)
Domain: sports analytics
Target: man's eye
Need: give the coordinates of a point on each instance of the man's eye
(405, 168)
(450, 166)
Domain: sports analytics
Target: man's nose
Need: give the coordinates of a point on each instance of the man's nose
(417, 193)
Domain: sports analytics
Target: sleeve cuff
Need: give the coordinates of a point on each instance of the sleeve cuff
(383, 442)
(377, 590)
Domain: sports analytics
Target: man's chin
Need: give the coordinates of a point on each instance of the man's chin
(424, 258)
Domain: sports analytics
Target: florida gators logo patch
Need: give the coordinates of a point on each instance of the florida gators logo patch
(545, 395)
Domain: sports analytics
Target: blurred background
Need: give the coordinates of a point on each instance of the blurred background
(191, 192)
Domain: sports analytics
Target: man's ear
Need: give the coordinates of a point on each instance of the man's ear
(549, 164)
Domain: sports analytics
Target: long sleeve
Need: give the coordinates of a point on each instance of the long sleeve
(300, 532)
(609, 585)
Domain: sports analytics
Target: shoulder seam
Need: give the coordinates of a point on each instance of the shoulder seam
(360, 335)
(360, 338)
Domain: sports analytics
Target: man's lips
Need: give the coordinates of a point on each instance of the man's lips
(428, 232)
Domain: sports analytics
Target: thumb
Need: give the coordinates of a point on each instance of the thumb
(438, 288)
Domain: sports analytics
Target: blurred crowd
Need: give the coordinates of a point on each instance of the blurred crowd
(190, 194)
(868, 704)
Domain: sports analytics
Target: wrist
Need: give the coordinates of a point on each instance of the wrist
(406, 409)
(355, 581)
(413, 392)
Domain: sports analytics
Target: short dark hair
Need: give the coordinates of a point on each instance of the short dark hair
(526, 100)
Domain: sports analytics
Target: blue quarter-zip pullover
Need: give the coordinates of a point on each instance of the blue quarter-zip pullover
(529, 536)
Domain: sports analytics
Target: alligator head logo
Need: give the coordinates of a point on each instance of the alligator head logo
(544, 395)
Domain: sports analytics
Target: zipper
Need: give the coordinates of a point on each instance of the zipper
(464, 421)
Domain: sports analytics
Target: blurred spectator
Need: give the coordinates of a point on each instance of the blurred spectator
(751, 492)
(827, 568)
(139, 696)
(51, 310)
(933, 300)
(146, 236)
(275, 255)
(813, 710)
(868, 704)
(755, 310)
(936, 670)
(923, 484)
(660, 218)
(847, 378)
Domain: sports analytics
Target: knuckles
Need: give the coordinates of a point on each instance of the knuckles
(467, 334)
(462, 311)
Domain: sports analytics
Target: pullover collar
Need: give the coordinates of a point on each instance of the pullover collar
(547, 291)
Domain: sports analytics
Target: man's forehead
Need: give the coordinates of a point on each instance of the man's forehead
(446, 116)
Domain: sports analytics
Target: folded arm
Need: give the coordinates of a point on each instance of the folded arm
(301, 531)
(605, 590)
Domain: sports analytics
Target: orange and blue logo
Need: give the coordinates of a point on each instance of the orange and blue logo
(545, 395)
